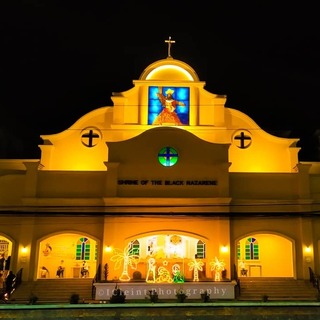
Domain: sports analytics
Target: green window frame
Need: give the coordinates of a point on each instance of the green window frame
(201, 250)
(83, 249)
(251, 249)
(134, 248)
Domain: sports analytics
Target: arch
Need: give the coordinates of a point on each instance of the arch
(187, 247)
(169, 69)
(61, 249)
(274, 255)
(180, 231)
(168, 249)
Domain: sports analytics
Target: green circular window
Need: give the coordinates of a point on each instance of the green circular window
(168, 156)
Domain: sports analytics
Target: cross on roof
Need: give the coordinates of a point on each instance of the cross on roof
(90, 136)
(242, 138)
(169, 42)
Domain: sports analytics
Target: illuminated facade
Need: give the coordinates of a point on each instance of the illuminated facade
(164, 184)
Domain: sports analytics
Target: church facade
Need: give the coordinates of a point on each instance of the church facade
(166, 183)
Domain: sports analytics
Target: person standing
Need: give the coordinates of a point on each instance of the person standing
(2, 262)
(1, 283)
(7, 266)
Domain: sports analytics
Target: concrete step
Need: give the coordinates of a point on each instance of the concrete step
(251, 289)
(53, 290)
(277, 289)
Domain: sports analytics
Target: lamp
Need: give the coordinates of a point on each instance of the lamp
(24, 253)
(224, 249)
(108, 249)
(307, 249)
(24, 250)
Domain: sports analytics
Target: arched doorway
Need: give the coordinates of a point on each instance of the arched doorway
(66, 252)
(265, 255)
(157, 255)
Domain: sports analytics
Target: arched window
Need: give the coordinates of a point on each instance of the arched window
(252, 249)
(201, 249)
(4, 245)
(83, 249)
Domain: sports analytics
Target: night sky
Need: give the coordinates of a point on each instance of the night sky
(62, 59)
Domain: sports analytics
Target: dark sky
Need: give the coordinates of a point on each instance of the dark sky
(62, 59)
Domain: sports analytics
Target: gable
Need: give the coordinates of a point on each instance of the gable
(201, 168)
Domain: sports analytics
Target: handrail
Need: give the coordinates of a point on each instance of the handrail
(236, 278)
(314, 279)
(18, 279)
(97, 278)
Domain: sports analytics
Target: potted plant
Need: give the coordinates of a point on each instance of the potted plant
(74, 299)
(33, 298)
(118, 295)
(106, 271)
(181, 295)
(205, 296)
(153, 295)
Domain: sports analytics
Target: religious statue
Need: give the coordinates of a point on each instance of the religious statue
(151, 272)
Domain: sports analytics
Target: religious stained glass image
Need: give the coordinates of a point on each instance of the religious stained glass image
(168, 106)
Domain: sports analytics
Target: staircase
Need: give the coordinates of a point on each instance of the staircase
(251, 289)
(53, 290)
(281, 289)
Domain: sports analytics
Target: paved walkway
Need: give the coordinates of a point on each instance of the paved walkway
(234, 310)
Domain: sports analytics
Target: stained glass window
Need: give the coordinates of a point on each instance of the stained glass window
(252, 249)
(168, 105)
(134, 248)
(238, 251)
(201, 250)
(168, 156)
(83, 249)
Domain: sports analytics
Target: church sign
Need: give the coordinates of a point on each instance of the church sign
(152, 182)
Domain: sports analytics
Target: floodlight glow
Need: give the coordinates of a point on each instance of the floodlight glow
(168, 68)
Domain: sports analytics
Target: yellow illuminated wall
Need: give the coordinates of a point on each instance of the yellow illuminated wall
(275, 256)
(213, 232)
(83, 146)
(92, 172)
(60, 250)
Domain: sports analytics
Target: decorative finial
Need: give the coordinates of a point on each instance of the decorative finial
(169, 42)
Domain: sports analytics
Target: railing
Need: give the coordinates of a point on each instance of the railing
(314, 279)
(18, 279)
(13, 281)
(97, 278)
(236, 278)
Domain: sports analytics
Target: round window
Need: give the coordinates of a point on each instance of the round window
(168, 156)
